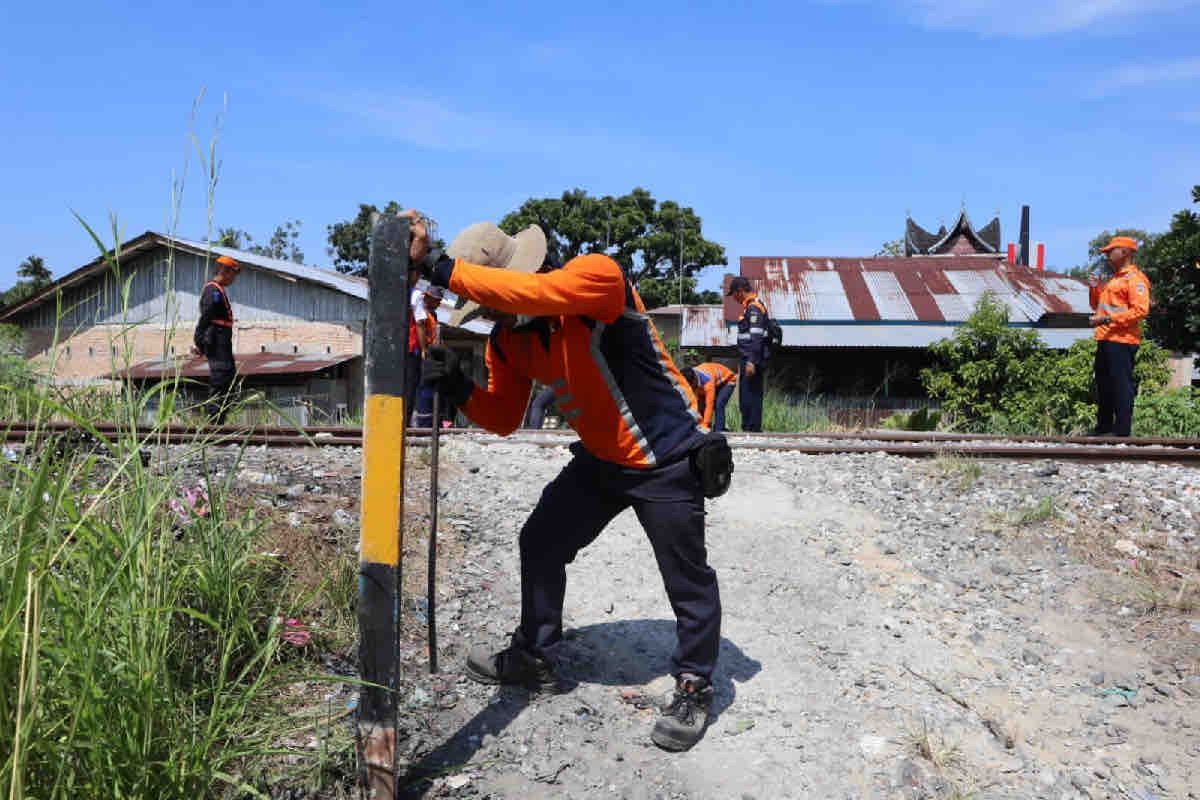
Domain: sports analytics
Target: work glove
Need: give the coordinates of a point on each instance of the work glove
(442, 369)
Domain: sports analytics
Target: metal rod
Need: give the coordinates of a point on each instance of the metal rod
(381, 542)
(431, 589)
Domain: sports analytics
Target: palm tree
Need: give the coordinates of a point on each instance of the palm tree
(34, 270)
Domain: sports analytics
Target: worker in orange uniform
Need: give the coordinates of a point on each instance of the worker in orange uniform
(1120, 303)
(582, 330)
(713, 384)
(213, 338)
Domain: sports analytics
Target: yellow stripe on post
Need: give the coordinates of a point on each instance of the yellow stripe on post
(383, 466)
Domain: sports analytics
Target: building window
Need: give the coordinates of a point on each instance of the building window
(295, 348)
(67, 351)
(114, 349)
(91, 352)
(328, 349)
(262, 348)
(172, 349)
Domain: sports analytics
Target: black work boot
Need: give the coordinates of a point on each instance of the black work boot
(682, 722)
(515, 664)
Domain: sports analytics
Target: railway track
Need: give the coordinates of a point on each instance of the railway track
(913, 444)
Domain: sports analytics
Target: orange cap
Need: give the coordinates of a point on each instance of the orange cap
(1128, 242)
(226, 261)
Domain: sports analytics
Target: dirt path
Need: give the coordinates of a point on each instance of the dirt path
(861, 657)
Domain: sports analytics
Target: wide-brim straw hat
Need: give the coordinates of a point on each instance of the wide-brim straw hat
(485, 244)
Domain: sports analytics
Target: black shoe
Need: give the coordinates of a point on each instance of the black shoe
(513, 665)
(1099, 432)
(682, 722)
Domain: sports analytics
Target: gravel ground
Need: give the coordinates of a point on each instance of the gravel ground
(893, 629)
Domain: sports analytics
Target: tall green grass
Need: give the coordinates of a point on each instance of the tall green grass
(782, 413)
(139, 655)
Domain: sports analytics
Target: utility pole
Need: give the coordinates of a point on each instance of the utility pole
(681, 263)
(381, 537)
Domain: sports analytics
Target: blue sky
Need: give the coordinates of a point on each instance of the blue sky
(806, 128)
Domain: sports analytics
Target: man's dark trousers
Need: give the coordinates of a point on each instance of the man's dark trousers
(412, 383)
(750, 398)
(1115, 387)
(722, 400)
(572, 511)
(222, 372)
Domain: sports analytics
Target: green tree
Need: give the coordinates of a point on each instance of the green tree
(646, 237)
(33, 275)
(283, 244)
(892, 249)
(350, 240)
(658, 292)
(234, 238)
(1172, 263)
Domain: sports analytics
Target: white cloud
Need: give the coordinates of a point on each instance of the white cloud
(1137, 76)
(1027, 18)
(436, 125)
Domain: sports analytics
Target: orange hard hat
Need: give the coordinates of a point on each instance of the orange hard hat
(226, 261)
(1128, 242)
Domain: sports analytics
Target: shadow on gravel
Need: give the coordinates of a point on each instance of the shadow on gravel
(624, 653)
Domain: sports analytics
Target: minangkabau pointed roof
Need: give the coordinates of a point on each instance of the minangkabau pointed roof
(962, 239)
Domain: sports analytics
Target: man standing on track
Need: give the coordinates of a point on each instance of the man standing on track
(214, 338)
(582, 330)
(1121, 304)
(752, 342)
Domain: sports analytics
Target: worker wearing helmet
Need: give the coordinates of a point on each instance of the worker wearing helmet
(713, 384)
(1120, 305)
(214, 338)
(582, 330)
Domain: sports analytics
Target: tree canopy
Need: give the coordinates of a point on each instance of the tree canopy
(646, 237)
(284, 243)
(1171, 261)
(32, 276)
(350, 240)
(892, 249)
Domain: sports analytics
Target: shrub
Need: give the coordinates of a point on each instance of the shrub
(1169, 413)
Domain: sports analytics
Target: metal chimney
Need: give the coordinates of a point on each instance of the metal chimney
(1024, 236)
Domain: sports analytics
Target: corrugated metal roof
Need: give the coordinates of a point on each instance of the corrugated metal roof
(911, 289)
(247, 364)
(704, 326)
(356, 287)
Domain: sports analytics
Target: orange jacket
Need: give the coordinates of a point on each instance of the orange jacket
(1126, 299)
(612, 378)
(712, 377)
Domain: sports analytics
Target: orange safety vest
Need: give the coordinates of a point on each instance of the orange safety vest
(1125, 298)
(612, 377)
(222, 323)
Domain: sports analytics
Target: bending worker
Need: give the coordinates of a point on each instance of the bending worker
(214, 338)
(752, 342)
(1121, 304)
(584, 333)
(713, 384)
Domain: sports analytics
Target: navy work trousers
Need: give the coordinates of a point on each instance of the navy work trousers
(750, 397)
(723, 395)
(537, 408)
(572, 511)
(412, 383)
(221, 376)
(1115, 388)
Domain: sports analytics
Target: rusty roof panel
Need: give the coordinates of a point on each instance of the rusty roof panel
(247, 364)
(704, 326)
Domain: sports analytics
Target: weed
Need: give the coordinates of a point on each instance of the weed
(957, 468)
(1043, 511)
(932, 746)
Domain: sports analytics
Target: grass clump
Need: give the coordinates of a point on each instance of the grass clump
(1043, 511)
(963, 471)
(783, 414)
(931, 745)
